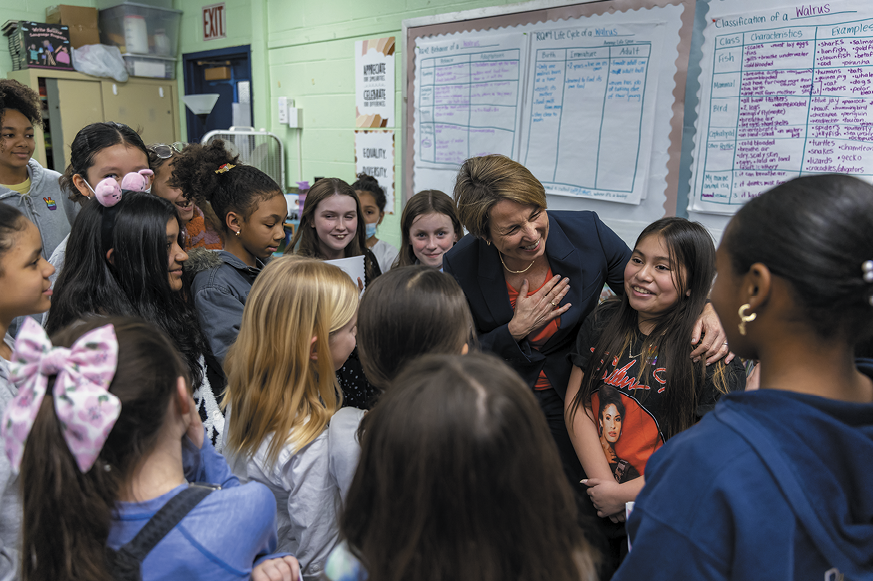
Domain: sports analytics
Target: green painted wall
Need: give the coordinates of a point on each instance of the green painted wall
(311, 59)
(303, 50)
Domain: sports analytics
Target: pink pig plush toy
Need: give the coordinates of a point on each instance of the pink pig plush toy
(108, 192)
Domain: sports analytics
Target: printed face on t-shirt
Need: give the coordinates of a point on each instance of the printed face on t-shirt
(610, 423)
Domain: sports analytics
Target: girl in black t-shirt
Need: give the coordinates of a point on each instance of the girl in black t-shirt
(632, 364)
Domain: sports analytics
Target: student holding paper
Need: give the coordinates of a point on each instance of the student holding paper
(332, 227)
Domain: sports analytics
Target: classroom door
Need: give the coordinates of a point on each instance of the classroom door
(228, 73)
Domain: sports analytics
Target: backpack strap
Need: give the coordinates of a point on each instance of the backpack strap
(125, 563)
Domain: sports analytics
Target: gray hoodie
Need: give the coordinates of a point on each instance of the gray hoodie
(46, 205)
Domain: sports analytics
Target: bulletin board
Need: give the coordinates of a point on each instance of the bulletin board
(589, 96)
(740, 96)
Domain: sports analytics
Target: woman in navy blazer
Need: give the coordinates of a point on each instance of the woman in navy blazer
(503, 206)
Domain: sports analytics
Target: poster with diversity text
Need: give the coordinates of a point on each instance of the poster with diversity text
(374, 156)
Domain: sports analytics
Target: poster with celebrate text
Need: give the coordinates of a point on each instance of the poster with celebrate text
(374, 82)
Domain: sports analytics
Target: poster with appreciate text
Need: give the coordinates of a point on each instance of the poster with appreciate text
(374, 82)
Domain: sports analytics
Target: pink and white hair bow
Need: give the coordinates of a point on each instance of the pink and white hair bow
(86, 410)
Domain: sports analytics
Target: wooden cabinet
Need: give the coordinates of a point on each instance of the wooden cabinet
(74, 100)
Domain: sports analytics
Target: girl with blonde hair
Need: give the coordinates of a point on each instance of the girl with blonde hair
(298, 328)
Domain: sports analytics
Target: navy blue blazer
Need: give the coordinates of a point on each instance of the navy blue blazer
(579, 246)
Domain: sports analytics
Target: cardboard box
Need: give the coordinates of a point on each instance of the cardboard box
(217, 74)
(39, 45)
(81, 20)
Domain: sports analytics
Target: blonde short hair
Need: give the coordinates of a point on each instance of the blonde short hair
(273, 385)
(484, 181)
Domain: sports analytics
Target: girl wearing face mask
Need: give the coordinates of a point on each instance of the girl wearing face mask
(373, 202)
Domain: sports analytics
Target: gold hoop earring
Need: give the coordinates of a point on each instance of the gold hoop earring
(744, 318)
(488, 242)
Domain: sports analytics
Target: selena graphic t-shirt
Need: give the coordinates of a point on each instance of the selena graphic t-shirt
(629, 408)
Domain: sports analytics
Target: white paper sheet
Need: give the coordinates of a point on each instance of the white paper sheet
(468, 96)
(590, 108)
(785, 91)
(352, 266)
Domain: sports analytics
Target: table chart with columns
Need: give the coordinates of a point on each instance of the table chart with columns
(784, 102)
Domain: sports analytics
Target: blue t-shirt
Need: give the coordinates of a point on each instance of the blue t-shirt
(223, 537)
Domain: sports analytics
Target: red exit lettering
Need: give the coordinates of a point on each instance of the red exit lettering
(214, 21)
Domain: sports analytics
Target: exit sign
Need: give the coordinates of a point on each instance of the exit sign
(214, 21)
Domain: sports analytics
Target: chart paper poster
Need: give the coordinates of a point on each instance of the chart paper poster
(374, 155)
(584, 104)
(468, 97)
(374, 82)
(785, 92)
(590, 111)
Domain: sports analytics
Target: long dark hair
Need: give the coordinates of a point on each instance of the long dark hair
(306, 236)
(90, 140)
(425, 202)
(460, 479)
(238, 189)
(67, 514)
(691, 250)
(408, 312)
(136, 283)
(815, 232)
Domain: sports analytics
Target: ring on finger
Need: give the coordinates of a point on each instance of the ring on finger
(554, 304)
